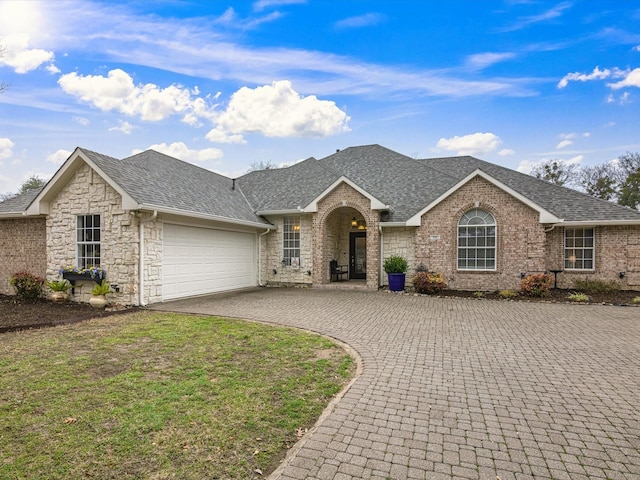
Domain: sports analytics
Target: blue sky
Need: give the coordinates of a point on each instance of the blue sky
(226, 84)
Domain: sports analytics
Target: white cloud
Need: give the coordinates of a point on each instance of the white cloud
(6, 148)
(632, 79)
(597, 74)
(506, 151)
(359, 21)
(262, 4)
(181, 151)
(277, 110)
(475, 143)
(564, 143)
(525, 166)
(124, 127)
(217, 135)
(81, 120)
(20, 57)
(58, 157)
(117, 92)
(483, 60)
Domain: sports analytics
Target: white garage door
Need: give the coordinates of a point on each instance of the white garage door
(196, 261)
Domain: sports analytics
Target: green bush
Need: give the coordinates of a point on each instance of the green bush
(27, 285)
(58, 285)
(636, 300)
(478, 294)
(578, 297)
(395, 264)
(597, 286)
(507, 294)
(429, 283)
(536, 285)
(101, 288)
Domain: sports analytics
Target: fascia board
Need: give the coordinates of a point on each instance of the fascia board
(596, 223)
(40, 204)
(205, 216)
(544, 215)
(290, 211)
(376, 204)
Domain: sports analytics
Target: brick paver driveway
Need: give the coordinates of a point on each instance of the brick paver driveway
(461, 388)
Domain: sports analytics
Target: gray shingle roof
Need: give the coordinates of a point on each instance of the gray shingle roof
(567, 204)
(152, 178)
(19, 203)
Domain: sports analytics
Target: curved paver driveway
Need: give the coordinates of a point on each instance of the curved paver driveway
(459, 388)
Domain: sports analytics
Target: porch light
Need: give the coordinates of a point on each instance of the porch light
(354, 222)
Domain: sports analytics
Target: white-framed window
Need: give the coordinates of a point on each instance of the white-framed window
(88, 240)
(477, 241)
(578, 249)
(291, 241)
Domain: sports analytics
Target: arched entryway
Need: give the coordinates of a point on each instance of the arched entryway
(346, 241)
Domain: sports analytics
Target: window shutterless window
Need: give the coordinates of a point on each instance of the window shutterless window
(578, 249)
(477, 241)
(291, 241)
(88, 241)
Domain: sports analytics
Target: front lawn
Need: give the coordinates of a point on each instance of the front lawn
(156, 395)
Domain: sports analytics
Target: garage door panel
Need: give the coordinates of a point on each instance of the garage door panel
(197, 261)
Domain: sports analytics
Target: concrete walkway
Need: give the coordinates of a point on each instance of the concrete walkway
(462, 388)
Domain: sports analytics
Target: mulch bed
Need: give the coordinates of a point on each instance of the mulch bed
(19, 315)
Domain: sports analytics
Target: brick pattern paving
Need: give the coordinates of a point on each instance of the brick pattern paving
(462, 388)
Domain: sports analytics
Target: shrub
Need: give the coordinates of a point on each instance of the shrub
(101, 288)
(636, 300)
(507, 294)
(578, 297)
(429, 283)
(597, 286)
(58, 285)
(536, 285)
(395, 264)
(478, 294)
(27, 285)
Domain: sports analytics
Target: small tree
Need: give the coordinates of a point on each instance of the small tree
(32, 183)
(629, 179)
(556, 172)
(600, 181)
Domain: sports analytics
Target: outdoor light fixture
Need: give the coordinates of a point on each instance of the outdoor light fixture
(354, 222)
(621, 275)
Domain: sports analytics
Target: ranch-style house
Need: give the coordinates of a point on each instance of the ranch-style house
(164, 229)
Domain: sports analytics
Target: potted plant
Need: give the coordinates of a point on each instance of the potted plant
(396, 269)
(98, 294)
(59, 289)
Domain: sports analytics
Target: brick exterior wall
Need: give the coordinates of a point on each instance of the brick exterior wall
(87, 193)
(617, 249)
(400, 241)
(271, 250)
(521, 238)
(23, 247)
(331, 227)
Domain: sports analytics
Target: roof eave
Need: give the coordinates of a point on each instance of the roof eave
(376, 204)
(545, 216)
(40, 204)
(286, 211)
(204, 216)
(595, 223)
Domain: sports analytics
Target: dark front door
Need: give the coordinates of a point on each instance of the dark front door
(358, 255)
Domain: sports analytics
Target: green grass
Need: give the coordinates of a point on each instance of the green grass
(154, 395)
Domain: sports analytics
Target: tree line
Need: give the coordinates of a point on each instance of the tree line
(617, 181)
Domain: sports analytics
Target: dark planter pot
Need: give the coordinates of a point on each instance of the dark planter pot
(74, 277)
(396, 281)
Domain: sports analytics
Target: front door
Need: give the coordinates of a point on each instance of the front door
(358, 255)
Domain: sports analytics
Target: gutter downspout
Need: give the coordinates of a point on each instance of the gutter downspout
(260, 256)
(381, 272)
(141, 301)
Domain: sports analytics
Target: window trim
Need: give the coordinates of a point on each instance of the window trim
(86, 261)
(494, 248)
(291, 233)
(592, 248)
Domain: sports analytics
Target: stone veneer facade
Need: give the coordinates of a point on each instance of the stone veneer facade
(23, 247)
(87, 193)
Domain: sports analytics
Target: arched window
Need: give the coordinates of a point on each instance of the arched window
(477, 241)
